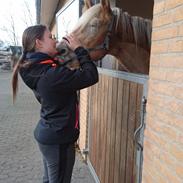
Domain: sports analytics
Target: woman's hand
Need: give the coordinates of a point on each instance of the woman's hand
(72, 42)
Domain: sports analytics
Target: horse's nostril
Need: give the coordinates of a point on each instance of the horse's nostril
(63, 51)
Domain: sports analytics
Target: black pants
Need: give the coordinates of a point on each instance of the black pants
(58, 162)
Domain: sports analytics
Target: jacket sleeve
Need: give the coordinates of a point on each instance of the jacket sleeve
(65, 79)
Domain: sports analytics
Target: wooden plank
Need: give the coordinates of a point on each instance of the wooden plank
(102, 129)
(91, 123)
(118, 132)
(138, 104)
(93, 138)
(109, 99)
(113, 128)
(104, 149)
(97, 130)
(124, 129)
(130, 137)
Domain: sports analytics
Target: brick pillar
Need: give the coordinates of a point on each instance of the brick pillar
(83, 119)
(163, 142)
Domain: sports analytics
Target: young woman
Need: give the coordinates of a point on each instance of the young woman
(55, 87)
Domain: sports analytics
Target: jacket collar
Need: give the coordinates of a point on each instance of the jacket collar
(37, 57)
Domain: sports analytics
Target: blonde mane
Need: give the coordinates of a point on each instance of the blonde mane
(87, 16)
(132, 28)
(128, 28)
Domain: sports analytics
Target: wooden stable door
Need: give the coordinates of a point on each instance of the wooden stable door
(114, 115)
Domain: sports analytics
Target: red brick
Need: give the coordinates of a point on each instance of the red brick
(180, 138)
(165, 130)
(168, 160)
(156, 139)
(175, 106)
(174, 76)
(172, 105)
(179, 170)
(159, 7)
(149, 170)
(180, 33)
(169, 132)
(170, 32)
(157, 73)
(176, 151)
(168, 174)
(176, 46)
(178, 14)
(156, 177)
(163, 88)
(147, 174)
(167, 61)
(159, 47)
(178, 93)
(160, 20)
(170, 119)
(170, 4)
(167, 89)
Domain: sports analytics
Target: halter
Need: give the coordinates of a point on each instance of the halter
(105, 44)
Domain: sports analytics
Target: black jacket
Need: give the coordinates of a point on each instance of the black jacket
(56, 90)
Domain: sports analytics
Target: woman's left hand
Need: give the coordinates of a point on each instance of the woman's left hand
(72, 42)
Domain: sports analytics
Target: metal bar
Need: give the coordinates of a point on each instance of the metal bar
(93, 172)
(137, 78)
(139, 137)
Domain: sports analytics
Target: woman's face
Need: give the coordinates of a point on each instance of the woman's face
(47, 44)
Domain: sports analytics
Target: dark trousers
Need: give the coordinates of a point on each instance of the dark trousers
(58, 162)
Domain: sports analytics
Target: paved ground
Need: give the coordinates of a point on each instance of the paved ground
(20, 159)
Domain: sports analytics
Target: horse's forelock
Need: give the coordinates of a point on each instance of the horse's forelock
(87, 16)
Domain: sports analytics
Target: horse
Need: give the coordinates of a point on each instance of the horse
(126, 37)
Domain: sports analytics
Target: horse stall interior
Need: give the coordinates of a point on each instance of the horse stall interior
(115, 115)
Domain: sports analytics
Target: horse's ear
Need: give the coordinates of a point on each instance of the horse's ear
(106, 5)
(87, 5)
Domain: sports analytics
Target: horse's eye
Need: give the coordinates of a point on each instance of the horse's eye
(93, 29)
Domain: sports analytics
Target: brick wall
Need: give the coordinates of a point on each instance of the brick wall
(163, 143)
(83, 119)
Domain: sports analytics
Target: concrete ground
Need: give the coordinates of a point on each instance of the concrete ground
(20, 159)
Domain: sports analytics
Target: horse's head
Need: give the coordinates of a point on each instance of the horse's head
(94, 24)
(91, 29)
(118, 33)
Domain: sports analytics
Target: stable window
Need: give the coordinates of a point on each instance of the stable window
(67, 18)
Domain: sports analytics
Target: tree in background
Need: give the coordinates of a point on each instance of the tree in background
(27, 15)
(11, 28)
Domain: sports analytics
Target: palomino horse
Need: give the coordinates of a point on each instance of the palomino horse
(123, 36)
